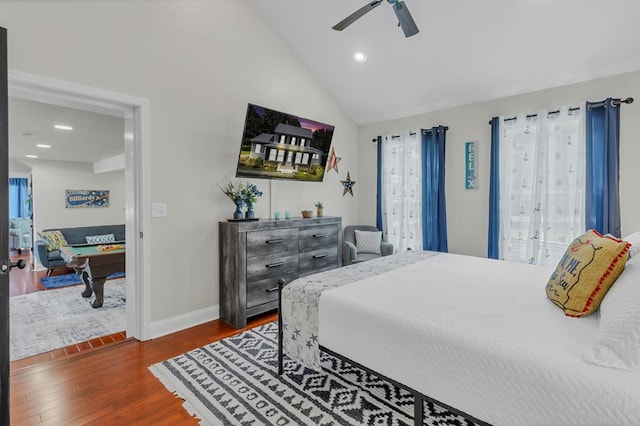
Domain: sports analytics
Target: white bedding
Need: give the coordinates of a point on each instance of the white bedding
(481, 336)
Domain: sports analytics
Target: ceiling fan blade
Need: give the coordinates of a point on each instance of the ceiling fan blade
(356, 15)
(405, 19)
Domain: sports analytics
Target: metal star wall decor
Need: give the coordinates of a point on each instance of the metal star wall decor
(348, 185)
(333, 161)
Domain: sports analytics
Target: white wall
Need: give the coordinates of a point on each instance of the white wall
(51, 179)
(467, 210)
(198, 63)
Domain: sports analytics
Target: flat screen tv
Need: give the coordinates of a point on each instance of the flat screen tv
(277, 145)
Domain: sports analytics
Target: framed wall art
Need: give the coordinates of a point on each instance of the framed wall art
(86, 198)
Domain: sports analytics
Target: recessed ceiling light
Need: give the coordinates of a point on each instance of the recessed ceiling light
(31, 156)
(359, 57)
(41, 145)
(62, 127)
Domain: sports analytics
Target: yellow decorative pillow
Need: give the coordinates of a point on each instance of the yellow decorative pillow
(589, 267)
(53, 239)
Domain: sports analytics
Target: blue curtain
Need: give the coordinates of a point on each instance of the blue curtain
(493, 250)
(379, 186)
(434, 209)
(18, 196)
(602, 203)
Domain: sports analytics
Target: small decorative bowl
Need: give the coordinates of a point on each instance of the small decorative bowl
(307, 214)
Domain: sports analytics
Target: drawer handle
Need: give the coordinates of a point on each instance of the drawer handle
(274, 265)
(319, 256)
(275, 241)
(271, 290)
(319, 235)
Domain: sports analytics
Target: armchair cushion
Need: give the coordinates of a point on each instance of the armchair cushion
(368, 241)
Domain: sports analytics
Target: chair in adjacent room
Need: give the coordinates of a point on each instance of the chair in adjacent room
(20, 233)
(362, 243)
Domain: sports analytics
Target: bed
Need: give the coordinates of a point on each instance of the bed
(475, 335)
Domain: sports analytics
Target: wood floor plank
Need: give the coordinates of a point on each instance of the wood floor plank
(111, 385)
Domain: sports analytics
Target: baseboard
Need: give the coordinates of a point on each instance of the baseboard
(184, 321)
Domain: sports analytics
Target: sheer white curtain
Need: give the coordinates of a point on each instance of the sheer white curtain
(401, 189)
(542, 185)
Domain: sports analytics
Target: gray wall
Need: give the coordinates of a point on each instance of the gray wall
(467, 210)
(198, 63)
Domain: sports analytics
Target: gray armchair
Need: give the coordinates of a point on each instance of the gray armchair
(19, 233)
(350, 252)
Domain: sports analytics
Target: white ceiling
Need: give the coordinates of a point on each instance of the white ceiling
(94, 136)
(466, 51)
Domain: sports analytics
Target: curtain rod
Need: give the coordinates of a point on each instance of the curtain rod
(596, 104)
(374, 140)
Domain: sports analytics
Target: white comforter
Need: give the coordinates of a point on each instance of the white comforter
(479, 335)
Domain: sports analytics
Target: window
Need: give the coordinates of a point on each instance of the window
(542, 185)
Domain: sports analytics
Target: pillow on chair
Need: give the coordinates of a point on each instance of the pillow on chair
(368, 241)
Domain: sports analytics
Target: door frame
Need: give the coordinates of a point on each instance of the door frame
(135, 112)
(4, 234)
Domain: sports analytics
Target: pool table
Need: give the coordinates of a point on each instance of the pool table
(94, 266)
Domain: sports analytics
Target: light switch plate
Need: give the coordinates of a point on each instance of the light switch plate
(158, 209)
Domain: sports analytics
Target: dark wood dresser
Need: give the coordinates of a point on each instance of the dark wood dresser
(254, 255)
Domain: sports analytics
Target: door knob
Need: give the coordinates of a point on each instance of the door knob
(20, 264)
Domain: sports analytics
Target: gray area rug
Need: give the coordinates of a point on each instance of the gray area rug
(235, 382)
(53, 319)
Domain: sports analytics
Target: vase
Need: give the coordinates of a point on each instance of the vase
(238, 213)
(319, 212)
(249, 214)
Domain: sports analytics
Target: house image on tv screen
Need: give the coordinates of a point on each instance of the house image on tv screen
(289, 146)
(283, 146)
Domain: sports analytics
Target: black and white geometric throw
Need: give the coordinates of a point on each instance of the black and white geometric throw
(235, 382)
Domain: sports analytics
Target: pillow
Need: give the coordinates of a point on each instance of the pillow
(619, 333)
(53, 239)
(634, 239)
(100, 239)
(368, 241)
(585, 273)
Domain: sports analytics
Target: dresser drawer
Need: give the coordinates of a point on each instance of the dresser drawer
(273, 265)
(271, 241)
(314, 237)
(265, 290)
(318, 260)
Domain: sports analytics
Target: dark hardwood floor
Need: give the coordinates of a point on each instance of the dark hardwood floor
(111, 385)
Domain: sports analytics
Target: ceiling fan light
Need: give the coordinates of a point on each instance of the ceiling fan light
(359, 57)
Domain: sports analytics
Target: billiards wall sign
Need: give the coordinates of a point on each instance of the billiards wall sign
(86, 198)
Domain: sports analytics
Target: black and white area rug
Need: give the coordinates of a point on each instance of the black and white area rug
(235, 382)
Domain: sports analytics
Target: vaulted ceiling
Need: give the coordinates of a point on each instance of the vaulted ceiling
(466, 51)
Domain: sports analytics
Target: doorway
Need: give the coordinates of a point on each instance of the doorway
(134, 113)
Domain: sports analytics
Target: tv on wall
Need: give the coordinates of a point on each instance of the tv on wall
(277, 145)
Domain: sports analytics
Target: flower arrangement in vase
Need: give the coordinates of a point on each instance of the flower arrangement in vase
(236, 195)
(250, 193)
(319, 207)
(242, 195)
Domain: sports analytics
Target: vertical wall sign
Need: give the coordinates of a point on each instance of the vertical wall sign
(471, 180)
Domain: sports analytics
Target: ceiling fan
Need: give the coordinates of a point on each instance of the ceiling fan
(405, 20)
